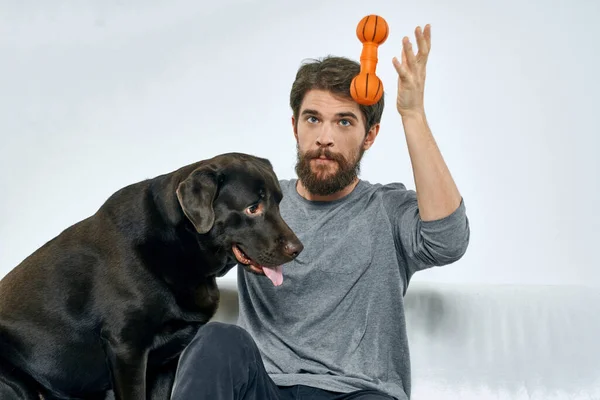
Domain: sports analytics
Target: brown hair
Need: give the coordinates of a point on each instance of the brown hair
(335, 75)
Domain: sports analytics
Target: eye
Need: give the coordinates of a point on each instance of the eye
(253, 209)
(345, 122)
(312, 119)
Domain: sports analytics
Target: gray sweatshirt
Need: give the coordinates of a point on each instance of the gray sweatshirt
(337, 322)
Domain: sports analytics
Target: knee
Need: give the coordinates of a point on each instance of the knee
(222, 334)
(217, 359)
(224, 340)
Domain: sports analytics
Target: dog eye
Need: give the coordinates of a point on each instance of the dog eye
(252, 209)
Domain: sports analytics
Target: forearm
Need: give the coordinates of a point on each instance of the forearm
(437, 194)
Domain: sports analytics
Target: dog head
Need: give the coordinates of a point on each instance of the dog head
(233, 200)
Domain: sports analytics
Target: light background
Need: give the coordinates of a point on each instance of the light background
(97, 95)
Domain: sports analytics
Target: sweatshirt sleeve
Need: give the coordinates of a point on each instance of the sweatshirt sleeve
(424, 244)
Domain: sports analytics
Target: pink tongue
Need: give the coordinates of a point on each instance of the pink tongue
(274, 274)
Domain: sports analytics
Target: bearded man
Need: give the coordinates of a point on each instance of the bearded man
(335, 328)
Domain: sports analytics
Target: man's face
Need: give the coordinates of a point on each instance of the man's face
(331, 139)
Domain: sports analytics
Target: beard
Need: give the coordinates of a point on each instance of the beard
(321, 182)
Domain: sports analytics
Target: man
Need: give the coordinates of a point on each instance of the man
(335, 328)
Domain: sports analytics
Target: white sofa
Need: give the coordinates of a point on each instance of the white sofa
(495, 341)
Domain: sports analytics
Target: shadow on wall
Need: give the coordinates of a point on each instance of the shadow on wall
(506, 338)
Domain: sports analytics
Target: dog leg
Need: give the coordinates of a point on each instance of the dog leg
(160, 381)
(128, 372)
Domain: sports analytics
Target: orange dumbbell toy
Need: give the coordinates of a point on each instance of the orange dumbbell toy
(366, 87)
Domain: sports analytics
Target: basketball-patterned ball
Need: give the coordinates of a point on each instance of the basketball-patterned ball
(372, 28)
(366, 89)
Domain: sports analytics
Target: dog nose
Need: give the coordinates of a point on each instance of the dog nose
(293, 247)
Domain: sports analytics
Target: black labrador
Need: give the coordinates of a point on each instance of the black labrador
(105, 308)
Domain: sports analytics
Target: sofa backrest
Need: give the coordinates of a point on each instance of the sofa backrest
(496, 341)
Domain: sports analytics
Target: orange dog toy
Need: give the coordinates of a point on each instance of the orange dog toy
(366, 87)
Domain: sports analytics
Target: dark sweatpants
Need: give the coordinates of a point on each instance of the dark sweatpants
(224, 363)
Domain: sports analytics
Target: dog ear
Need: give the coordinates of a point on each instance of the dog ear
(196, 195)
(265, 161)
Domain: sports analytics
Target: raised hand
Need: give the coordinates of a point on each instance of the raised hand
(412, 71)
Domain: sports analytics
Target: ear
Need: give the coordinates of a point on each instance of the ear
(196, 195)
(295, 128)
(371, 135)
(265, 161)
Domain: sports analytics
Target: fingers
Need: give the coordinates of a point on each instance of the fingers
(411, 63)
(407, 54)
(427, 35)
(401, 69)
(423, 42)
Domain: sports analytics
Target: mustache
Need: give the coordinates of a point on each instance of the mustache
(325, 153)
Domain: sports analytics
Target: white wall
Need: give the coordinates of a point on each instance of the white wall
(97, 95)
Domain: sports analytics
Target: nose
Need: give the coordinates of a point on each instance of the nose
(293, 247)
(325, 138)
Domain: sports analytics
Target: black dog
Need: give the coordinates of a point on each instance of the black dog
(111, 302)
